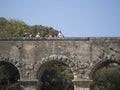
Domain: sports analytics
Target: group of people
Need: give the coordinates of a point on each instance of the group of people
(60, 35)
(40, 36)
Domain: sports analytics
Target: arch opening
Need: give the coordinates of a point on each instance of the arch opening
(9, 76)
(105, 75)
(55, 75)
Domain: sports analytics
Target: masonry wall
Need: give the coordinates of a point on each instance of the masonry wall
(25, 53)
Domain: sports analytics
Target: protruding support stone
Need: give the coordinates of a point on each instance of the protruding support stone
(82, 84)
(28, 84)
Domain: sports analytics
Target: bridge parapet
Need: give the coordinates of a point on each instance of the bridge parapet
(59, 39)
(81, 54)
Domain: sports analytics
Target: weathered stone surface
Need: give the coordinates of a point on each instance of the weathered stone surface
(83, 55)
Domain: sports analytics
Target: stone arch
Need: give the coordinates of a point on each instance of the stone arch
(101, 64)
(59, 58)
(106, 56)
(53, 59)
(11, 61)
(9, 74)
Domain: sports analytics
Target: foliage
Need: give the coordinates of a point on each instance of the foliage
(57, 77)
(17, 28)
(8, 77)
(5, 28)
(107, 78)
(45, 31)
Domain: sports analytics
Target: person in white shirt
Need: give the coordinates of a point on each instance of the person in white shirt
(60, 35)
(38, 35)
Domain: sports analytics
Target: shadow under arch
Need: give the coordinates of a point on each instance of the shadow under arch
(15, 75)
(9, 76)
(100, 65)
(58, 58)
(46, 65)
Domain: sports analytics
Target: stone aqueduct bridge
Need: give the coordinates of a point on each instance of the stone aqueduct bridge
(83, 55)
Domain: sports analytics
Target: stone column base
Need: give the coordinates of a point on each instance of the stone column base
(28, 84)
(82, 84)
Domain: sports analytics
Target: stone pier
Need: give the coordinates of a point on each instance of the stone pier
(28, 84)
(82, 84)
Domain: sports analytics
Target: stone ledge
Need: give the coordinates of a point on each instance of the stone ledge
(28, 82)
(58, 39)
(83, 82)
(44, 39)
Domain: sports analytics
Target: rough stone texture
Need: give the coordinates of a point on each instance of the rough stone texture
(83, 55)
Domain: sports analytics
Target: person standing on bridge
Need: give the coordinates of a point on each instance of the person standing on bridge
(60, 35)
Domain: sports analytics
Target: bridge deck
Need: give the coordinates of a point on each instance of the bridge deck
(57, 39)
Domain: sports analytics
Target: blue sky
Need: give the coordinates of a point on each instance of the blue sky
(75, 18)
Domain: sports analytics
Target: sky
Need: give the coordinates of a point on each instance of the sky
(75, 18)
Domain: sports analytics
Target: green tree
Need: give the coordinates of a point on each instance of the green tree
(107, 78)
(19, 27)
(8, 77)
(5, 28)
(45, 31)
(57, 77)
